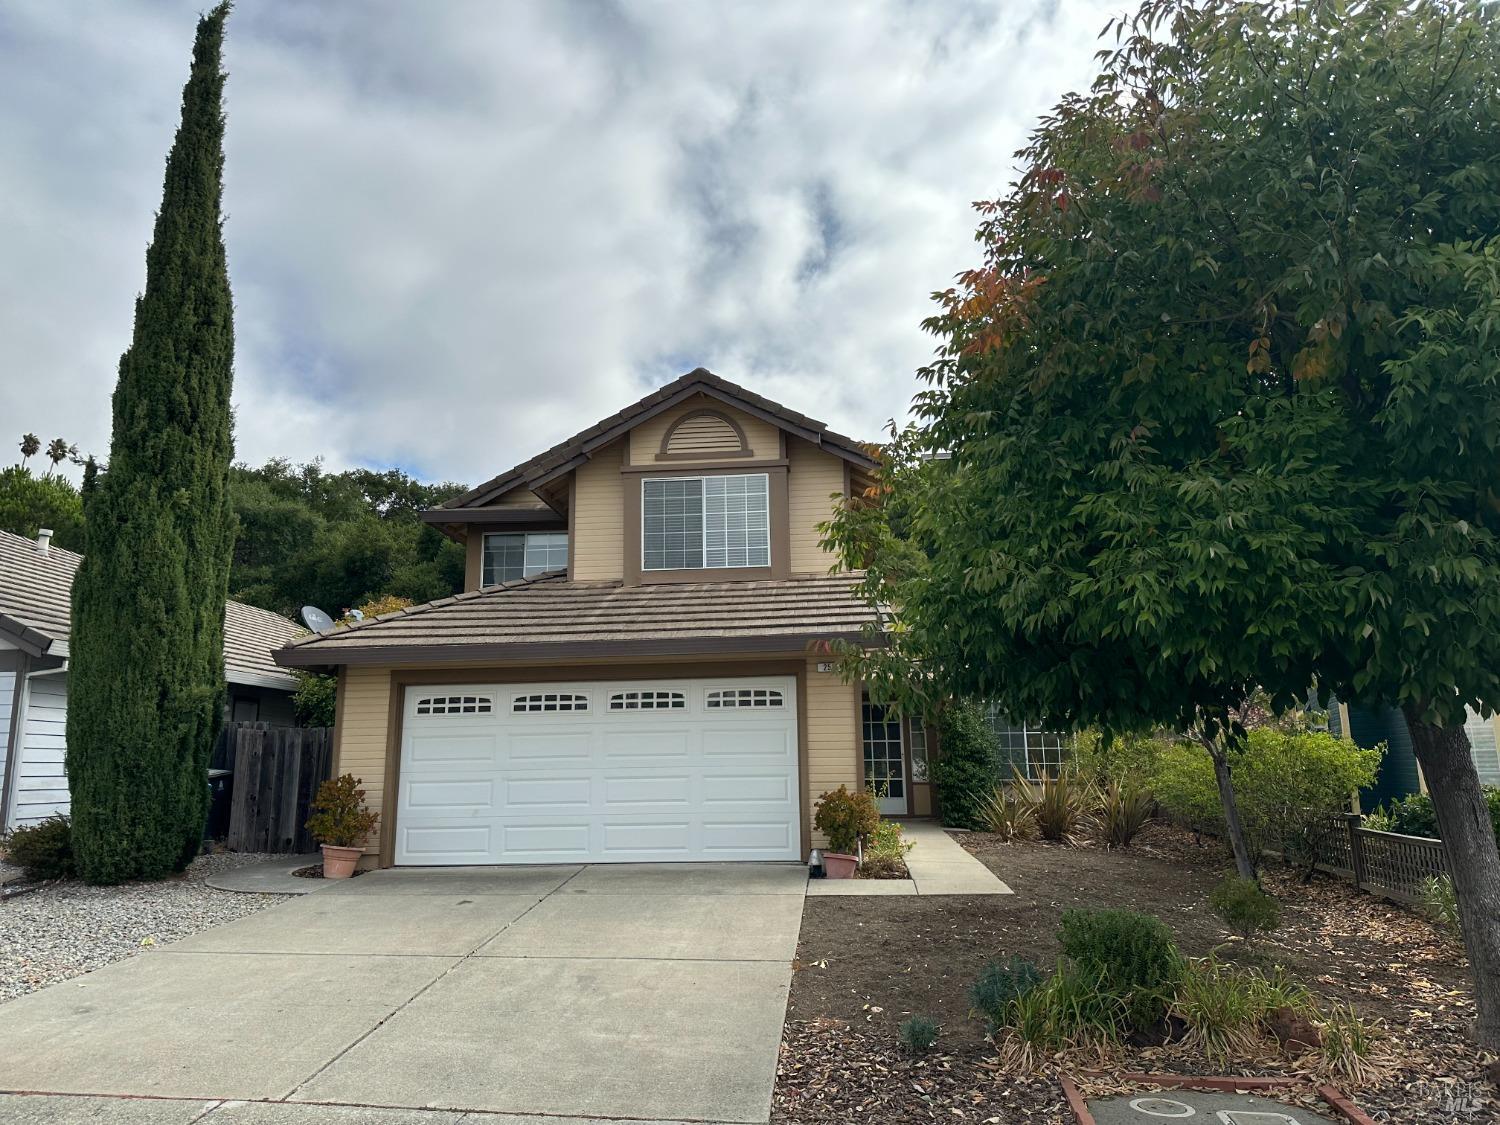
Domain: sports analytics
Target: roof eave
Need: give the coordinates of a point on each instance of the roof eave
(310, 656)
(30, 640)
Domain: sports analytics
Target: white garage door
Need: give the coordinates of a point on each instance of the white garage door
(650, 770)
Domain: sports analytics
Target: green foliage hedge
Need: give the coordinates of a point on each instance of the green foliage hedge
(43, 850)
(964, 770)
(1413, 815)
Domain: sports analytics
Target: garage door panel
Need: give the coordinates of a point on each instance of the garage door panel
(469, 793)
(746, 837)
(456, 748)
(547, 794)
(458, 844)
(651, 789)
(660, 838)
(544, 842)
(542, 748)
(652, 744)
(732, 789)
(752, 743)
(649, 783)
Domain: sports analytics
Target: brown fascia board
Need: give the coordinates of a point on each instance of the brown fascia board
(494, 515)
(582, 652)
(31, 641)
(542, 468)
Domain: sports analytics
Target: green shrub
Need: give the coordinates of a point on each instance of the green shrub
(1244, 908)
(964, 769)
(886, 841)
(1125, 809)
(1349, 1045)
(1130, 759)
(1065, 1011)
(1440, 903)
(1222, 1008)
(43, 850)
(1126, 955)
(1413, 815)
(1004, 812)
(999, 986)
(1062, 807)
(844, 817)
(315, 700)
(1290, 784)
(339, 817)
(918, 1034)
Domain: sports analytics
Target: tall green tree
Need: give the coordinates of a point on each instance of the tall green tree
(1221, 405)
(147, 679)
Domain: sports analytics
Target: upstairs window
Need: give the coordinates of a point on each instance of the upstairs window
(692, 523)
(509, 555)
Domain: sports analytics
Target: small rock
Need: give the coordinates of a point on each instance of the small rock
(1295, 1032)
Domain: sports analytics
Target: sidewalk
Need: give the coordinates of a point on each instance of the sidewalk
(937, 864)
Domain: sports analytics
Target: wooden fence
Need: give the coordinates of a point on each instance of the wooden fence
(1382, 863)
(276, 772)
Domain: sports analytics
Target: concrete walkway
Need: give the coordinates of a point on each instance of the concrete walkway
(511, 995)
(273, 877)
(937, 864)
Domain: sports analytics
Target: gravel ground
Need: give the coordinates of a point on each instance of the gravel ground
(67, 929)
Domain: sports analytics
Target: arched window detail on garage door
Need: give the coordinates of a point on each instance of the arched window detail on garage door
(549, 701)
(759, 698)
(456, 705)
(648, 701)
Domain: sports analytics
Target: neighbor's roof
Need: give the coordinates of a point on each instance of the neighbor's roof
(550, 617)
(569, 454)
(36, 594)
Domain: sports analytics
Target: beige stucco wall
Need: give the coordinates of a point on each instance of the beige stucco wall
(645, 440)
(598, 523)
(831, 739)
(359, 737)
(813, 476)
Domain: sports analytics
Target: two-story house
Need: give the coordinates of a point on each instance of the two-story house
(637, 669)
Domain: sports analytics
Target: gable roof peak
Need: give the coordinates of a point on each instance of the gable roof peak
(567, 455)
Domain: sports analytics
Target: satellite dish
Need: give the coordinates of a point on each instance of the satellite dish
(315, 619)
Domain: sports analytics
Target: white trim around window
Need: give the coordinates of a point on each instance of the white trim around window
(706, 522)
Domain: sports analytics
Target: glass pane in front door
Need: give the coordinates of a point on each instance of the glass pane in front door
(885, 768)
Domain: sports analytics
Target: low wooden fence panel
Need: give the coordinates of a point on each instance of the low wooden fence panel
(1383, 863)
(277, 770)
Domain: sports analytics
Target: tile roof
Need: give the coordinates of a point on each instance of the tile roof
(36, 593)
(697, 381)
(548, 616)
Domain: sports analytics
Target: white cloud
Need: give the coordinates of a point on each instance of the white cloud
(459, 232)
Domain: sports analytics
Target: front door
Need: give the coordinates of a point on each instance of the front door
(885, 761)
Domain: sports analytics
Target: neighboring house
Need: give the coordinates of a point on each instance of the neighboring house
(36, 588)
(1399, 773)
(637, 669)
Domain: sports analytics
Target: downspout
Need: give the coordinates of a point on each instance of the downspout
(17, 725)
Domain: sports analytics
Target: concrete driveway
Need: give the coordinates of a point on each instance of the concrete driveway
(646, 993)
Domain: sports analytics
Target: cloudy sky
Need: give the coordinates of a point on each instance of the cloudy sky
(459, 232)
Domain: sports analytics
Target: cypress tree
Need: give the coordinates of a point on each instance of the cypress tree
(147, 692)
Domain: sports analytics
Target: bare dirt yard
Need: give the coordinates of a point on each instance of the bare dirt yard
(866, 964)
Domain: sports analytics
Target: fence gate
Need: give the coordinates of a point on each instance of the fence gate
(277, 770)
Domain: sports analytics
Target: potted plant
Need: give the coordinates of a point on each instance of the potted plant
(340, 822)
(844, 817)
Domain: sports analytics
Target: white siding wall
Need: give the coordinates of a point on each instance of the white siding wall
(41, 786)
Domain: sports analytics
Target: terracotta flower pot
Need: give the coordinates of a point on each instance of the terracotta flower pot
(837, 865)
(338, 863)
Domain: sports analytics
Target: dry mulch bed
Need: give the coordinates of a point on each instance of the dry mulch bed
(865, 964)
